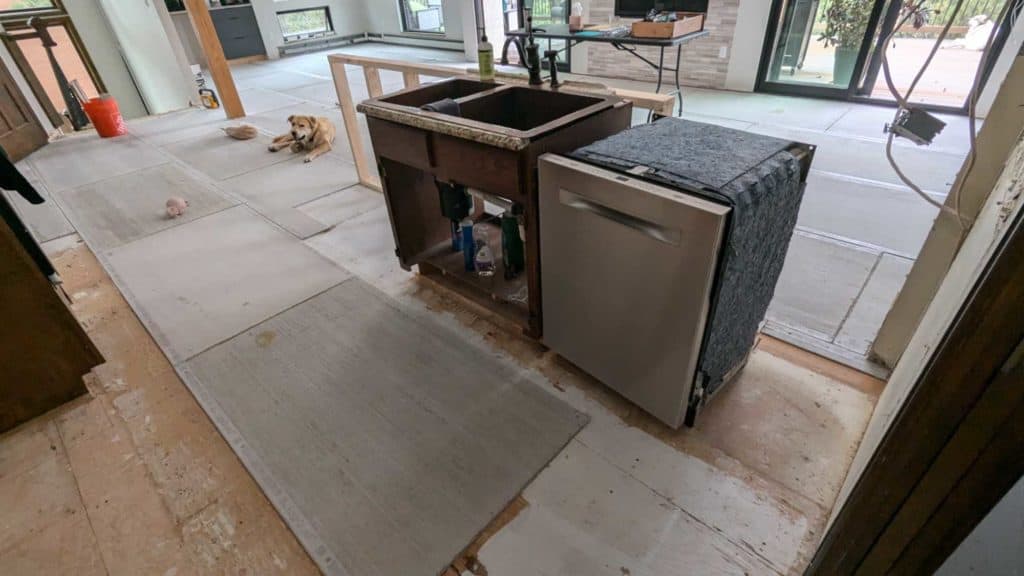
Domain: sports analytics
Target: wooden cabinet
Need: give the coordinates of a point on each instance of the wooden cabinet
(414, 158)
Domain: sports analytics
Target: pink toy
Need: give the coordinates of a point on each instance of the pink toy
(176, 207)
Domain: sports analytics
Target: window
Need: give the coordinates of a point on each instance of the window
(10, 5)
(422, 16)
(306, 23)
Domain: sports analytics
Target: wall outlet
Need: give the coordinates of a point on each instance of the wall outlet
(723, 52)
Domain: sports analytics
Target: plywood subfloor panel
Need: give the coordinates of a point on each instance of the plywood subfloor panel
(395, 437)
(79, 160)
(45, 221)
(205, 281)
(569, 529)
(125, 208)
(220, 157)
(343, 205)
(133, 479)
(293, 181)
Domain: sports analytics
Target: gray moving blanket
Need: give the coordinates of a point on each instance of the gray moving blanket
(763, 183)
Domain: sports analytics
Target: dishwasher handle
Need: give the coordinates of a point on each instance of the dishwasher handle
(650, 229)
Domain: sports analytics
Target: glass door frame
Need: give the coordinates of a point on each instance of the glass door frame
(816, 91)
(868, 63)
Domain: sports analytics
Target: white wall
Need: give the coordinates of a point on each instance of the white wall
(747, 44)
(348, 17)
(101, 44)
(144, 45)
(1000, 70)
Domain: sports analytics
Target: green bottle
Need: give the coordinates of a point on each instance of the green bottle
(485, 59)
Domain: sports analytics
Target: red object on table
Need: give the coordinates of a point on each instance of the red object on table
(105, 116)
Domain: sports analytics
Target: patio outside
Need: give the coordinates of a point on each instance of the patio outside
(948, 79)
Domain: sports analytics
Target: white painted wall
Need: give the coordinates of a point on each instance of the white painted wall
(348, 17)
(101, 44)
(144, 46)
(1001, 68)
(747, 43)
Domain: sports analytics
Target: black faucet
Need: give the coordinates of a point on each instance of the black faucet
(552, 57)
(532, 52)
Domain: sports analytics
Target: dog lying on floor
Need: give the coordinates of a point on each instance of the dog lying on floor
(309, 133)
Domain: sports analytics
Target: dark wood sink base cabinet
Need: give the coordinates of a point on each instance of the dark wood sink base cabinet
(411, 160)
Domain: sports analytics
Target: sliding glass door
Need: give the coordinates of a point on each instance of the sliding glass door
(833, 48)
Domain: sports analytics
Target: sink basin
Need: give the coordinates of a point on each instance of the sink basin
(508, 116)
(522, 108)
(454, 89)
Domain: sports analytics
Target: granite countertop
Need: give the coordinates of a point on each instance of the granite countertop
(464, 128)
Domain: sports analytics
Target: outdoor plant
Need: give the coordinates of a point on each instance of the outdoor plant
(845, 23)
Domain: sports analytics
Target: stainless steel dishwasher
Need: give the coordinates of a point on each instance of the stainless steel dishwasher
(661, 247)
(629, 268)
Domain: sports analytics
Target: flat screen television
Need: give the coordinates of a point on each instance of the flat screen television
(640, 8)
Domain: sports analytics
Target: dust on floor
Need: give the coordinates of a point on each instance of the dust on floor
(133, 478)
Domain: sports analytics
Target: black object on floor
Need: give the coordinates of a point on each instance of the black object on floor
(11, 179)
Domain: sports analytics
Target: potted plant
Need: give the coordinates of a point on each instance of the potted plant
(845, 24)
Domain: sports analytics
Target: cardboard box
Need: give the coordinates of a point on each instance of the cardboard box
(687, 23)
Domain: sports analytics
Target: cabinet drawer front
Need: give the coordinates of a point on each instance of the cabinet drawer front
(242, 46)
(399, 143)
(234, 22)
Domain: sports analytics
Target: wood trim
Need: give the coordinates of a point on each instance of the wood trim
(248, 59)
(351, 119)
(199, 14)
(33, 81)
(944, 440)
(991, 476)
(411, 79)
(373, 86)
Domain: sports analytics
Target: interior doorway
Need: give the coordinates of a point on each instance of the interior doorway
(21, 133)
(834, 48)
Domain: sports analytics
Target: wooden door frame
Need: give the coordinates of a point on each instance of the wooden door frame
(956, 446)
(16, 28)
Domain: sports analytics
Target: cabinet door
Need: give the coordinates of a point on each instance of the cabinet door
(414, 206)
(238, 32)
(21, 133)
(44, 351)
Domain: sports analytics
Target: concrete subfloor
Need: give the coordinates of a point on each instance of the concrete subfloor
(748, 490)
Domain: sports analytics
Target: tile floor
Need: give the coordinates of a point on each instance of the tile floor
(747, 490)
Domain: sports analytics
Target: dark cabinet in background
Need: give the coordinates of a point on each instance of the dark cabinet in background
(238, 32)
